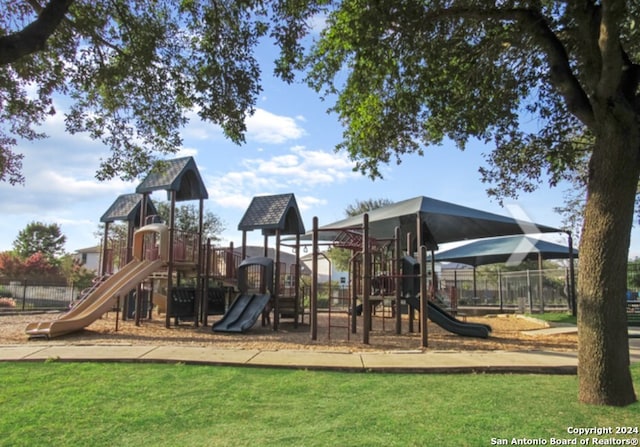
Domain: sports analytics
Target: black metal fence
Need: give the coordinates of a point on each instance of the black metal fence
(533, 290)
(31, 295)
(522, 291)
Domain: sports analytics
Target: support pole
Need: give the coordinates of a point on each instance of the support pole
(296, 284)
(529, 295)
(572, 278)
(172, 219)
(276, 286)
(500, 297)
(411, 310)
(200, 292)
(313, 320)
(105, 243)
(366, 284)
(398, 280)
(424, 300)
(353, 274)
(205, 279)
(540, 282)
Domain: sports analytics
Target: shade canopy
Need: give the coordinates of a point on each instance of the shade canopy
(502, 249)
(439, 222)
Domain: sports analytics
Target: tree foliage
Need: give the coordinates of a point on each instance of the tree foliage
(186, 219)
(134, 70)
(38, 237)
(36, 266)
(363, 206)
(422, 73)
(340, 257)
(75, 273)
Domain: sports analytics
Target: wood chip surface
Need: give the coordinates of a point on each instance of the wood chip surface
(509, 334)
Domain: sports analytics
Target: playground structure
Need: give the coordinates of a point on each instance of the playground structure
(255, 282)
(382, 239)
(199, 279)
(389, 263)
(102, 297)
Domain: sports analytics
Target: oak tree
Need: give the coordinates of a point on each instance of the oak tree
(532, 79)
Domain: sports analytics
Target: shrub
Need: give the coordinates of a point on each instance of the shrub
(7, 303)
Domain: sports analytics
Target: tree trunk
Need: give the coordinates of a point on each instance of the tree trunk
(603, 344)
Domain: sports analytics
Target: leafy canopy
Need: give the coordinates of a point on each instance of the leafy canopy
(515, 75)
(38, 237)
(134, 71)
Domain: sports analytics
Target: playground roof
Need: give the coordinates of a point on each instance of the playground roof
(272, 213)
(127, 208)
(502, 249)
(440, 222)
(180, 175)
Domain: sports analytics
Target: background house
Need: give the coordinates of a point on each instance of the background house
(89, 257)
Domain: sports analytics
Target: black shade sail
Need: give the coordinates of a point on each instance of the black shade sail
(503, 249)
(439, 222)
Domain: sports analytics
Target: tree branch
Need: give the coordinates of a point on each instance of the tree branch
(560, 71)
(33, 37)
(610, 49)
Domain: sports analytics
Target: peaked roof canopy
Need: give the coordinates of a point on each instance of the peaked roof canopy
(502, 249)
(180, 175)
(272, 213)
(127, 208)
(440, 222)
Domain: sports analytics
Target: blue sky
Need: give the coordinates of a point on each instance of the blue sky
(289, 149)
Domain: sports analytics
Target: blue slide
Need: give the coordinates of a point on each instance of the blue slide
(242, 314)
(450, 323)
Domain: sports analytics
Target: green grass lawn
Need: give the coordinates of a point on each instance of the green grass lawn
(555, 317)
(122, 404)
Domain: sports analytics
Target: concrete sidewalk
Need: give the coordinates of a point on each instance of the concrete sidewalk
(392, 361)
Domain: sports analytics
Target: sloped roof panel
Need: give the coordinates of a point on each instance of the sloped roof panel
(180, 175)
(271, 213)
(127, 208)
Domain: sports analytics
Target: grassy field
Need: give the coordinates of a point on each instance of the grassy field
(119, 404)
(555, 317)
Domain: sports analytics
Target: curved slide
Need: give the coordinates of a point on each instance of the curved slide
(98, 302)
(242, 314)
(450, 323)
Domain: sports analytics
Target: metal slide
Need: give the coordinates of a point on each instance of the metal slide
(450, 323)
(242, 314)
(98, 302)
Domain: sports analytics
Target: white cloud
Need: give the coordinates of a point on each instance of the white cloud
(266, 127)
(308, 202)
(318, 23)
(298, 170)
(186, 152)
